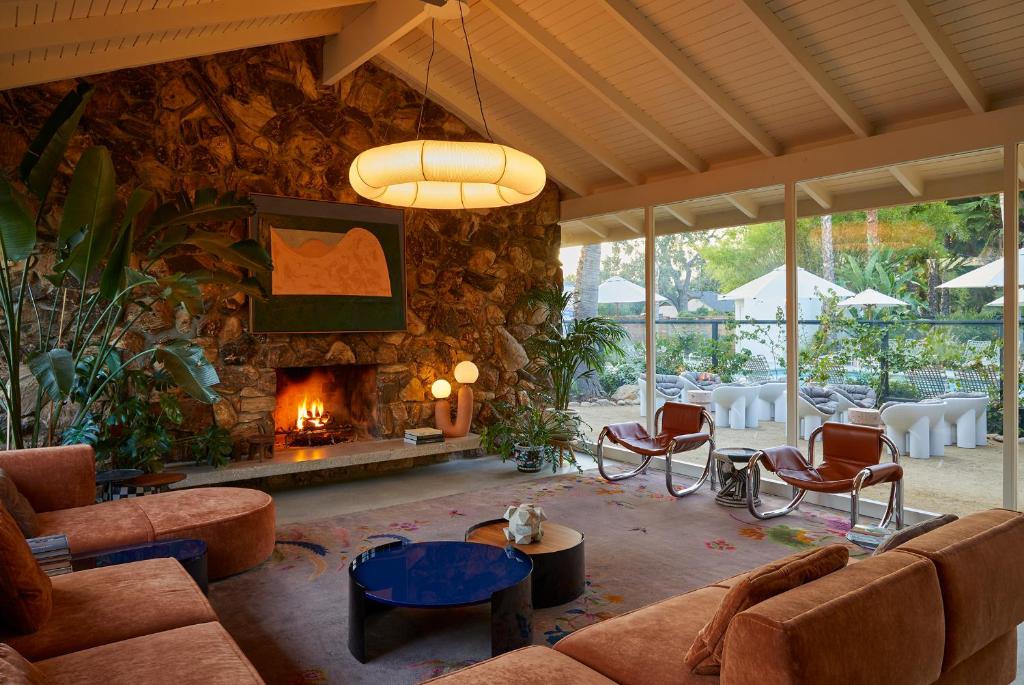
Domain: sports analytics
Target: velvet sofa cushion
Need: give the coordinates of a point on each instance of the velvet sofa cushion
(53, 477)
(17, 506)
(99, 526)
(25, 591)
(526, 666)
(641, 647)
(705, 654)
(910, 532)
(980, 565)
(16, 670)
(877, 621)
(201, 654)
(104, 605)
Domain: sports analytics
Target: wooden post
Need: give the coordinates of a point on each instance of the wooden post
(652, 312)
(792, 319)
(1011, 322)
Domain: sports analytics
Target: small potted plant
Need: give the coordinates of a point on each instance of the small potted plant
(525, 434)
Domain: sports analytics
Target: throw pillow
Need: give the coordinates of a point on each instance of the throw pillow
(19, 507)
(911, 532)
(16, 670)
(705, 655)
(25, 591)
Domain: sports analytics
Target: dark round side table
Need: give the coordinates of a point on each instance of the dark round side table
(731, 467)
(559, 563)
(106, 479)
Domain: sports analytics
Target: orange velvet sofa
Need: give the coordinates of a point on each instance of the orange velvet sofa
(144, 622)
(237, 524)
(941, 608)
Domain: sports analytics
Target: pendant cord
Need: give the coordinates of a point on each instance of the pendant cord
(426, 82)
(472, 69)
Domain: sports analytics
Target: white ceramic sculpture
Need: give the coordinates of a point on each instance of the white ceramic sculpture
(524, 524)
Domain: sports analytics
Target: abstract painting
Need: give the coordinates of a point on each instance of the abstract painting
(337, 267)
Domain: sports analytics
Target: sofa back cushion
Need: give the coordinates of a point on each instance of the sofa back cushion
(705, 655)
(25, 592)
(53, 478)
(980, 564)
(19, 508)
(876, 621)
(16, 670)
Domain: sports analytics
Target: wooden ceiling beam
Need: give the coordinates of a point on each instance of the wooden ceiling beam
(683, 214)
(818, 192)
(534, 104)
(556, 51)
(943, 51)
(744, 203)
(909, 178)
(686, 71)
(465, 107)
(629, 222)
(378, 27)
(593, 229)
(777, 33)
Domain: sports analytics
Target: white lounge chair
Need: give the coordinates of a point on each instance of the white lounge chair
(965, 420)
(815, 405)
(771, 401)
(735, 406)
(668, 387)
(914, 426)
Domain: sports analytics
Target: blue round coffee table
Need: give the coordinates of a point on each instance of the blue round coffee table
(443, 575)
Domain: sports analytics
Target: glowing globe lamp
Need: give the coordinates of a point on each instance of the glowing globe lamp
(466, 372)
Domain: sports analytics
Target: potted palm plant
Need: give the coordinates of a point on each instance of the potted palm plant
(525, 434)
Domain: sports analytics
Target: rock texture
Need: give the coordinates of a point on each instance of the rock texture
(258, 121)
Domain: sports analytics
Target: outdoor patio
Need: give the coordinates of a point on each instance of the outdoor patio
(960, 482)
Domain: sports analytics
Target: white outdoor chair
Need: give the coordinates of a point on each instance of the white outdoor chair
(771, 401)
(913, 426)
(735, 406)
(965, 420)
(848, 396)
(815, 405)
(668, 387)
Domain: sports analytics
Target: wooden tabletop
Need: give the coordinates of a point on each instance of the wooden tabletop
(156, 480)
(556, 537)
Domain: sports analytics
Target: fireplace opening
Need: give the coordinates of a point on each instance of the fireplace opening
(326, 405)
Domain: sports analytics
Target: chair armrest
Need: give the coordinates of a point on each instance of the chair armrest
(690, 441)
(53, 478)
(882, 473)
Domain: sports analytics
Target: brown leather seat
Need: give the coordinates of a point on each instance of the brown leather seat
(683, 427)
(852, 460)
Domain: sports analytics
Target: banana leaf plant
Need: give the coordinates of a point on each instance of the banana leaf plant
(107, 275)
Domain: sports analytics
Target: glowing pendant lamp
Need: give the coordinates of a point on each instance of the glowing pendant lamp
(438, 174)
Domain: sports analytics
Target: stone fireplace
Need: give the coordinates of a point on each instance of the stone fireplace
(326, 405)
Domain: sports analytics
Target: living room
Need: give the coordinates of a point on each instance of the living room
(631, 341)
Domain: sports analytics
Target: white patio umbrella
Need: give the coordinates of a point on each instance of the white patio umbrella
(872, 298)
(617, 290)
(998, 302)
(988, 276)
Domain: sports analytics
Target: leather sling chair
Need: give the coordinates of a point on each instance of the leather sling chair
(852, 460)
(684, 427)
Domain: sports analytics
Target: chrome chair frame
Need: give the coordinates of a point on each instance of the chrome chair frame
(893, 509)
(706, 420)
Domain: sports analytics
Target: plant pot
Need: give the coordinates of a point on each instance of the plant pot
(569, 418)
(529, 458)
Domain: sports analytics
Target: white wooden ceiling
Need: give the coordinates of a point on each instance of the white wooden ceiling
(611, 95)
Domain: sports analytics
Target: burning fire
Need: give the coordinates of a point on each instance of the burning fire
(311, 414)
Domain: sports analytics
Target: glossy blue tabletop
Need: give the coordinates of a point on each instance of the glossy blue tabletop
(437, 574)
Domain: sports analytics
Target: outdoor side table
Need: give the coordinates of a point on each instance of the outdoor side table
(731, 465)
(864, 417)
(701, 397)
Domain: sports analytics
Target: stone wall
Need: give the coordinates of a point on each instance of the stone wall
(259, 121)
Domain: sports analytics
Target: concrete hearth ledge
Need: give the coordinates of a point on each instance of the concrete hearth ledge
(295, 460)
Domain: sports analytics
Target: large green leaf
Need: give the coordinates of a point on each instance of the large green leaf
(91, 197)
(245, 253)
(55, 372)
(17, 230)
(190, 369)
(115, 272)
(249, 286)
(207, 207)
(182, 290)
(39, 165)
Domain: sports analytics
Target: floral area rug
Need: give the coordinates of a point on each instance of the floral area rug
(290, 614)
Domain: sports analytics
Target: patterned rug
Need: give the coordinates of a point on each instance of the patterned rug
(290, 614)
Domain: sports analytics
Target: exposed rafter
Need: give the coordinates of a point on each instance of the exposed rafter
(553, 48)
(380, 25)
(809, 69)
(201, 43)
(535, 104)
(601, 233)
(683, 214)
(686, 71)
(744, 203)
(818, 192)
(945, 54)
(458, 103)
(629, 222)
(111, 26)
(909, 178)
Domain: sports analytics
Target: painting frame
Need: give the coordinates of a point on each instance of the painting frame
(278, 216)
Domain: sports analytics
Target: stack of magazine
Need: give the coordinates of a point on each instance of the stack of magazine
(423, 436)
(868, 536)
(52, 553)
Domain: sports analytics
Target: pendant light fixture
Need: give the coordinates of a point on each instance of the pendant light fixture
(440, 174)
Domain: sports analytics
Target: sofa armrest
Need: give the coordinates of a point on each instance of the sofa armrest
(53, 478)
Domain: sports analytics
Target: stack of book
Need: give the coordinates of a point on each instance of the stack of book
(423, 436)
(52, 553)
(868, 536)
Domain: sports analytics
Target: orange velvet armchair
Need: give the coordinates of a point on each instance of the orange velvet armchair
(852, 460)
(683, 427)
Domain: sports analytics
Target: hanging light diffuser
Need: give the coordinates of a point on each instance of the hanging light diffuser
(438, 174)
